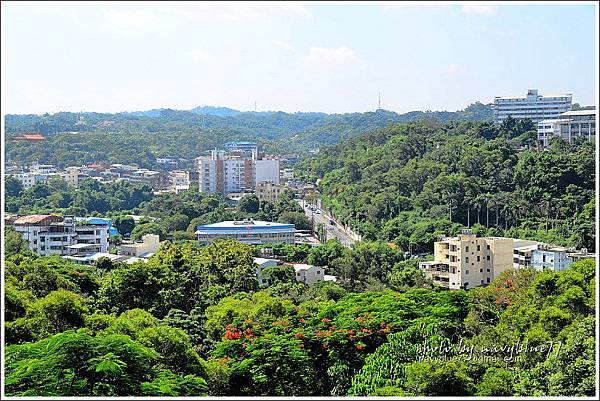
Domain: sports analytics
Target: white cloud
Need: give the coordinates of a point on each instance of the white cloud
(131, 19)
(202, 56)
(335, 56)
(285, 45)
(479, 9)
(242, 11)
(297, 9)
(453, 69)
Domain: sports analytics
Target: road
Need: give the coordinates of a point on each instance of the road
(333, 230)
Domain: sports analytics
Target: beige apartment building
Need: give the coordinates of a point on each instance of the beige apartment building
(267, 191)
(468, 261)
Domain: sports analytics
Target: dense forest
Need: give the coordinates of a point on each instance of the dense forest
(408, 183)
(194, 321)
(140, 137)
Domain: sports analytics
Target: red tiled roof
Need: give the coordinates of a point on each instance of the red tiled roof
(31, 136)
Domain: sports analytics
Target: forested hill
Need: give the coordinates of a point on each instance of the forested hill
(74, 138)
(408, 183)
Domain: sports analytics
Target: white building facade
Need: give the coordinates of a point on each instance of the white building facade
(247, 231)
(267, 170)
(56, 235)
(568, 126)
(533, 106)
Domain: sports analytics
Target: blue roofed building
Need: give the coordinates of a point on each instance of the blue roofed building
(112, 230)
(253, 232)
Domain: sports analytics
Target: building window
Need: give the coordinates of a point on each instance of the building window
(488, 257)
(480, 270)
(488, 279)
(467, 248)
(466, 272)
(478, 258)
(488, 247)
(478, 248)
(488, 270)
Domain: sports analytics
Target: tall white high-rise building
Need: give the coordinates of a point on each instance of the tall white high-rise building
(221, 173)
(533, 106)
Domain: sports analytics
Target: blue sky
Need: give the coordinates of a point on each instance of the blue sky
(293, 57)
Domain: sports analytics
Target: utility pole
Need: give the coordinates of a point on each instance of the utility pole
(379, 103)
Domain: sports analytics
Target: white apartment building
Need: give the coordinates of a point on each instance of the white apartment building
(467, 261)
(57, 235)
(71, 175)
(267, 170)
(522, 252)
(568, 126)
(532, 106)
(231, 173)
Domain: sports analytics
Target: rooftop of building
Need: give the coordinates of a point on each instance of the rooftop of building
(579, 113)
(260, 261)
(524, 97)
(244, 225)
(302, 266)
(37, 219)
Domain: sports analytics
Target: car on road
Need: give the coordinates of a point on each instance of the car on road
(317, 211)
(332, 222)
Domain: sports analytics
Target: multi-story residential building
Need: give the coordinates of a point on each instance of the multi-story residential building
(248, 232)
(150, 177)
(287, 174)
(43, 168)
(568, 125)
(57, 235)
(168, 163)
(251, 147)
(267, 170)
(468, 261)
(210, 172)
(532, 106)
(522, 252)
(179, 178)
(551, 257)
(27, 180)
(71, 175)
(267, 191)
(226, 173)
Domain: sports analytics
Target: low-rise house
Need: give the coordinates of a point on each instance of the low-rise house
(308, 274)
(263, 263)
(149, 245)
